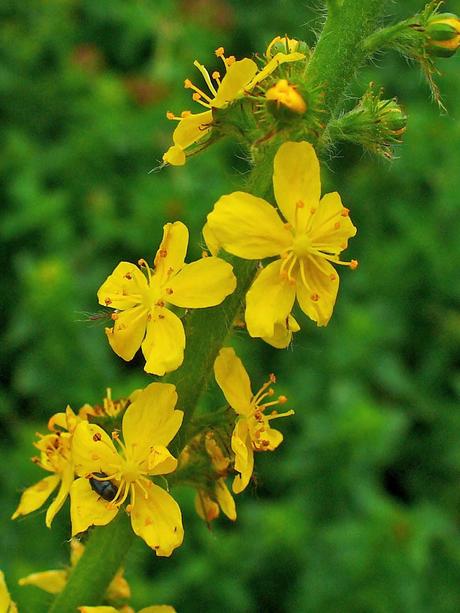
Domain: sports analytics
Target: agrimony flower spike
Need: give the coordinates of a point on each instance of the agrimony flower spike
(149, 424)
(252, 429)
(311, 239)
(143, 317)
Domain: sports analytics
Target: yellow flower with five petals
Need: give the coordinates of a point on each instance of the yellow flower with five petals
(310, 239)
(241, 76)
(56, 458)
(142, 317)
(252, 429)
(149, 424)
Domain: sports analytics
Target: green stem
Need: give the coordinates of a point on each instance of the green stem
(103, 555)
(338, 54)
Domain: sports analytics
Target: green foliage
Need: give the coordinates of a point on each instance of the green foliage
(357, 511)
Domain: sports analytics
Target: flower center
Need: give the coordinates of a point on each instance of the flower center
(302, 245)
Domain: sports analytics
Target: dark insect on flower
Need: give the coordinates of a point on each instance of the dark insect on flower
(105, 488)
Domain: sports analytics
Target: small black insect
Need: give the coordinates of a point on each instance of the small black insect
(105, 488)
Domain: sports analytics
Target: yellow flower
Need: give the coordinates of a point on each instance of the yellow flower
(142, 317)
(109, 477)
(6, 604)
(208, 504)
(286, 95)
(55, 457)
(53, 581)
(252, 429)
(315, 233)
(240, 78)
(157, 608)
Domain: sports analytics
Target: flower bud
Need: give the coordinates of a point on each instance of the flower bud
(443, 31)
(283, 44)
(284, 97)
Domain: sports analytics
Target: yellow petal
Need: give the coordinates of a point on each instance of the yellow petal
(238, 75)
(118, 588)
(274, 438)
(244, 455)
(51, 581)
(164, 344)
(6, 604)
(210, 239)
(76, 551)
(248, 226)
(296, 182)
(283, 333)
(225, 499)
(98, 609)
(157, 519)
(160, 461)
(158, 608)
(204, 283)
(64, 489)
(171, 253)
(93, 450)
(127, 333)
(277, 60)
(331, 226)
(87, 508)
(124, 288)
(233, 380)
(34, 496)
(192, 129)
(206, 508)
(151, 419)
(268, 301)
(317, 298)
(175, 156)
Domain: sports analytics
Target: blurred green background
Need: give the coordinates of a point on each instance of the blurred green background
(358, 510)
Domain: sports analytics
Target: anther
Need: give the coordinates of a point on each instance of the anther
(314, 297)
(169, 291)
(272, 378)
(354, 264)
(185, 114)
(312, 210)
(170, 115)
(107, 301)
(337, 225)
(299, 204)
(332, 277)
(345, 212)
(161, 316)
(160, 303)
(282, 400)
(162, 253)
(220, 52)
(230, 60)
(270, 392)
(196, 96)
(216, 75)
(114, 316)
(188, 84)
(128, 276)
(97, 437)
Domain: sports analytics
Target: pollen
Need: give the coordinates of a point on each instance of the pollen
(216, 75)
(107, 301)
(337, 225)
(114, 316)
(220, 52)
(97, 437)
(314, 297)
(188, 84)
(354, 264)
(300, 205)
(345, 212)
(162, 253)
(196, 96)
(282, 400)
(169, 291)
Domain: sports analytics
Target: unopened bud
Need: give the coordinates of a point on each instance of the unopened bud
(283, 44)
(284, 96)
(443, 32)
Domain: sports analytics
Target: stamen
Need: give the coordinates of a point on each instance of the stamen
(207, 78)
(285, 414)
(189, 85)
(143, 264)
(146, 495)
(116, 437)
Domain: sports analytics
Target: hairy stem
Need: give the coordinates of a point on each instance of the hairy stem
(103, 555)
(338, 55)
(340, 51)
